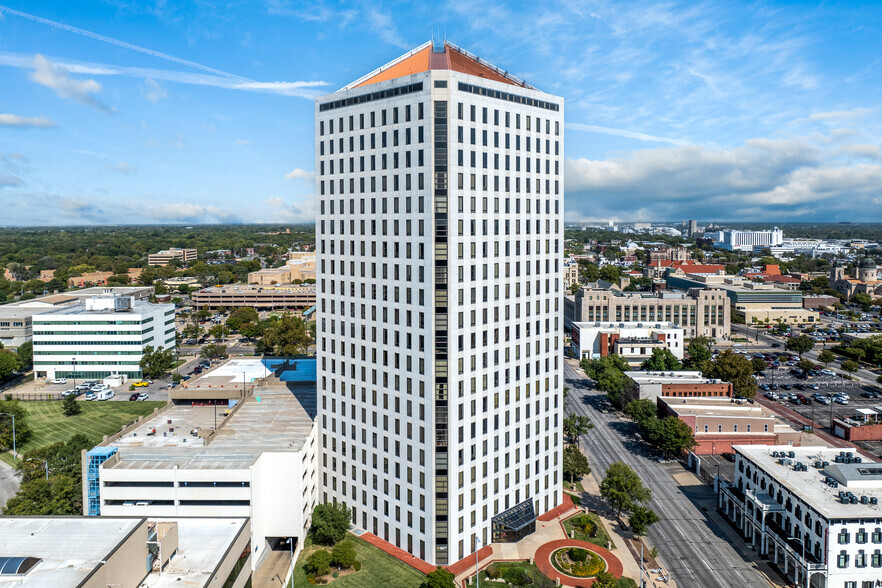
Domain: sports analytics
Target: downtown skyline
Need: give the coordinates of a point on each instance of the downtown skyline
(119, 114)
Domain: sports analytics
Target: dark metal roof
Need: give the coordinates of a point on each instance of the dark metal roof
(517, 517)
(17, 566)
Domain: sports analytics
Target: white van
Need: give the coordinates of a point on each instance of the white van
(105, 395)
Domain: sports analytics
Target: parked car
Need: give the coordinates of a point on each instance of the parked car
(771, 396)
(822, 400)
(142, 396)
(728, 456)
(133, 396)
(799, 386)
(91, 396)
(840, 400)
(870, 395)
(786, 386)
(140, 384)
(67, 393)
(814, 386)
(59, 381)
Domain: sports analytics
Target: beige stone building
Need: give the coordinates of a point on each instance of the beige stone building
(164, 257)
(300, 266)
(699, 312)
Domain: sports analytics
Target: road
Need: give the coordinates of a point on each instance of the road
(693, 551)
(9, 483)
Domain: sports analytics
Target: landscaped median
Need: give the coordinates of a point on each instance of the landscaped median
(562, 551)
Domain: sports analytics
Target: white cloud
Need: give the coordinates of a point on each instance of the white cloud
(295, 212)
(13, 120)
(242, 142)
(58, 79)
(300, 174)
(302, 89)
(152, 91)
(9, 180)
(841, 114)
(763, 179)
(122, 167)
(624, 133)
(381, 24)
(188, 212)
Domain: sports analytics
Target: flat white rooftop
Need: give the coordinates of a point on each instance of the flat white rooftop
(810, 486)
(70, 547)
(680, 377)
(202, 545)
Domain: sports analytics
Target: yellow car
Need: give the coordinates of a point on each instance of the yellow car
(140, 384)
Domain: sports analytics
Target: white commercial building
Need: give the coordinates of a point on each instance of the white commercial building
(813, 511)
(260, 461)
(748, 240)
(100, 336)
(439, 186)
(633, 341)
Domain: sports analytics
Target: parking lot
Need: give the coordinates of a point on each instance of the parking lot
(826, 385)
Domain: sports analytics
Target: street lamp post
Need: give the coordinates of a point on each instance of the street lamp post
(45, 465)
(291, 546)
(14, 453)
(477, 574)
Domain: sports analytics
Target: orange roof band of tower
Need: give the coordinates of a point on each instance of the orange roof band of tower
(426, 58)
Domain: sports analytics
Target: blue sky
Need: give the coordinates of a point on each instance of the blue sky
(153, 111)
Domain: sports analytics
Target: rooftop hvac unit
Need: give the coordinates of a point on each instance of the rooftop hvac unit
(834, 484)
(856, 459)
(854, 499)
(122, 303)
(874, 501)
(791, 454)
(865, 500)
(786, 462)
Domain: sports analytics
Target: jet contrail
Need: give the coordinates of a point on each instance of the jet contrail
(123, 44)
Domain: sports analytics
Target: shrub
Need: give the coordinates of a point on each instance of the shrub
(343, 554)
(493, 573)
(578, 555)
(356, 566)
(517, 577)
(595, 566)
(319, 563)
(310, 579)
(336, 574)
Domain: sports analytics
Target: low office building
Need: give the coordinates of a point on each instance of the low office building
(632, 341)
(735, 240)
(166, 256)
(699, 312)
(100, 336)
(680, 384)
(128, 552)
(256, 459)
(260, 298)
(299, 267)
(812, 511)
(755, 303)
(720, 423)
(100, 278)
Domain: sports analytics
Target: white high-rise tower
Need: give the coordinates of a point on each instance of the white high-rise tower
(439, 191)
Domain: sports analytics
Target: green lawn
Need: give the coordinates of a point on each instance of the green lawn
(531, 570)
(578, 487)
(49, 425)
(379, 569)
(601, 538)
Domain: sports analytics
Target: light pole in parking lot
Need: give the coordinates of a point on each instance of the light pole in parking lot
(830, 396)
(74, 372)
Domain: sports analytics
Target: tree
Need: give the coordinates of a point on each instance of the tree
(641, 410)
(604, 580)
(826, 357)
(192, 330)
(22, 431)
(622, 488)
(287, 336)
(850, 366)
(318, 563)
(219, 332)
(574, 288)
(759, 364)
(608, 373)
(662, 360)
(734, 368)
(800, 344)
(611, 273)
(8, 363)
(670, 434)
(330, 521)
(641, 519)
(343, 554)
(575, 426)
(806, 365)
(70, 406)
(575, 464)
(589, 270)
(439, 578)
(155, 363)
(864, 300)
(240, 316)
(699, 351)
(25, 353)
(213, 351)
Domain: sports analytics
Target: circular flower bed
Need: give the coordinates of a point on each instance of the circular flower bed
(577, 562)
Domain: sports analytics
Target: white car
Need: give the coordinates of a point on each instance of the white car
(59, 381)
(771, 396)
(840, 400)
